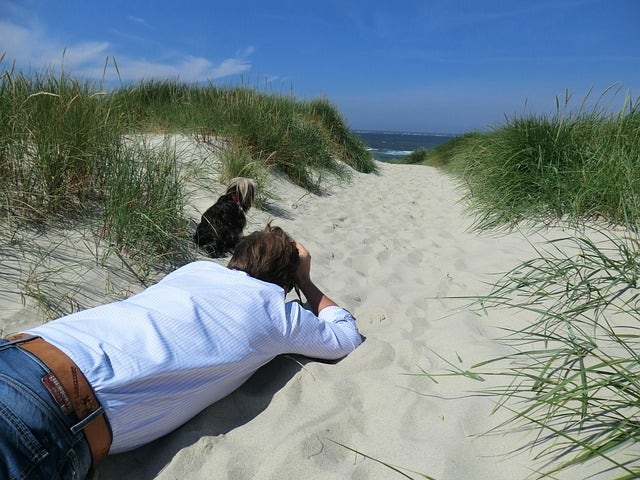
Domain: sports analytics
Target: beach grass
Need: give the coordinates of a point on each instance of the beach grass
(236, 161)
(574, 375)
(73, 153)
(56, 135)
(143, 209)
(64, 151)
(443, 154)
(573, 165)
(303, 139)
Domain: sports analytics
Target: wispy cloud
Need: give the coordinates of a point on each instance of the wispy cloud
(138, 20)
(188, 69)
(32, 48)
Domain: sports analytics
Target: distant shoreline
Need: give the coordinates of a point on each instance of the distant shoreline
(386, 145)
(402, 132)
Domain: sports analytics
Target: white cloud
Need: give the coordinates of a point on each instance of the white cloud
(245, 52)
(83, 53)
(32, 49)
(188, 69)
(20, 42)
(138, 20)
(230, 66)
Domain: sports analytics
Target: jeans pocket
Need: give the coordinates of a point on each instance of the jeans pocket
(20, 450)
(71, 467)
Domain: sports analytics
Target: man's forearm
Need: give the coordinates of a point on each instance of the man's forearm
(315, 298)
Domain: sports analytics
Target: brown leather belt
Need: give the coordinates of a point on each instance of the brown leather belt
(71, 391)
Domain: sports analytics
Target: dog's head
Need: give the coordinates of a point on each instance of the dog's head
(244, 188)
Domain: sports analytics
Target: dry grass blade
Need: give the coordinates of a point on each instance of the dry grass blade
(399, 470)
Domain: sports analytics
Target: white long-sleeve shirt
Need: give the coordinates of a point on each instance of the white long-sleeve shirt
(158, 358)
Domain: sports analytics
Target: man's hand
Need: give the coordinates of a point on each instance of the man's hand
(304, 268)
(315, 298)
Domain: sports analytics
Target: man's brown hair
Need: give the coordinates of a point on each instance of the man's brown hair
(269, 255)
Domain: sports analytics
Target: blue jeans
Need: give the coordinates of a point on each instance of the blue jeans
(37, 440)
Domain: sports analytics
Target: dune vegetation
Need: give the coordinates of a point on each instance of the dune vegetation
(574, 375)
(71, 150)
(573, 166)
(74, 152)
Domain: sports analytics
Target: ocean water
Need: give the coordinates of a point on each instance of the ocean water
(389, 145)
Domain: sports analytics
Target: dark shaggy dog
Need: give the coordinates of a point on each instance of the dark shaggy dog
(221, 226)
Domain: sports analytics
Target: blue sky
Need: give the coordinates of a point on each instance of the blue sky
(430, 66)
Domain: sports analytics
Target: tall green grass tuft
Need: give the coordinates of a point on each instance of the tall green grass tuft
(237, 162)
(574, 374)
(346, 146)
(164, 106)
(420, 155)
(571, 166)
(64, 153)
(573, 378)
(56, 134)
(304, 140)
(144, 205)
(279, 132)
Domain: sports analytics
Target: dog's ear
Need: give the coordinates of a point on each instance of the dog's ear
(245, 189)
(251, 192)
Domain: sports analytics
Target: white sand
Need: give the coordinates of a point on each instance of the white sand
(390, 248)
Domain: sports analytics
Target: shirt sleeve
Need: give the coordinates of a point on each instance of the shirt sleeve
(329, 336)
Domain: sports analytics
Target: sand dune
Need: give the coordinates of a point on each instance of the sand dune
(393, 248)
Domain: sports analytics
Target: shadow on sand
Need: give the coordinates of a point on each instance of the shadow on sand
(234, 410)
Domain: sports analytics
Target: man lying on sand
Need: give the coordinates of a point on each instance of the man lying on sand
(112, 378)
